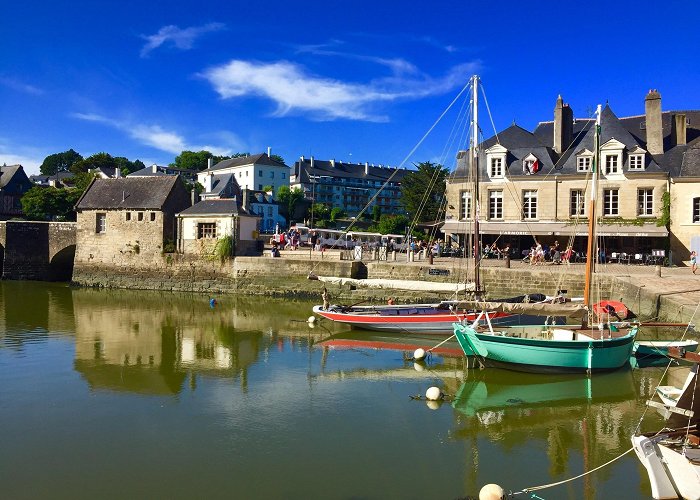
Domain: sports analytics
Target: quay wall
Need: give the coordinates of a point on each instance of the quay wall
(288, 277)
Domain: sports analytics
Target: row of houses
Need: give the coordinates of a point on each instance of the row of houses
(537, 184)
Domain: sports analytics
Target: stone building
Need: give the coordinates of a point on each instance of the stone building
(13, 184)
(350, 186)
(128, 221)
(535, 184)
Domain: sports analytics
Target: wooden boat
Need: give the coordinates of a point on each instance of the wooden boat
(660, 348)
(417, 318)
(671, 456)
(557, 349)
(612, 308)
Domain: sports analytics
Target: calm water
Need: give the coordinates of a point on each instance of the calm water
(125, 394)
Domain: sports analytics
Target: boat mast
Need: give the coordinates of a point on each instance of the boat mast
(475, 172)
(591, 251)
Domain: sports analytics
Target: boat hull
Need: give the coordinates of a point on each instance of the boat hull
(660, 347)
(665, 467)
(545, 355)
(434, 323)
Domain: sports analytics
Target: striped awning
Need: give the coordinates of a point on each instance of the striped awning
(523, 228)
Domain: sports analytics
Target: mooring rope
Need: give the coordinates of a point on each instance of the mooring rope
(550, 485)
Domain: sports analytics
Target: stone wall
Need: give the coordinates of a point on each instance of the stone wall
(30, 249)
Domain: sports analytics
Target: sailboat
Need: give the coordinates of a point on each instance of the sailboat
(553, 348)
(671, 456)
(436, 318)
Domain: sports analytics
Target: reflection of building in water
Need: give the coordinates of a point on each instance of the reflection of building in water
(150, 342)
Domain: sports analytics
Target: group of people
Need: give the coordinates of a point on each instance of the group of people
(539, 254)
(492, 251)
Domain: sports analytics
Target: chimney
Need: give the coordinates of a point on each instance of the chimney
(366, 168)
(652, 108)
(154, 168)
(194, 197)
(312, 162)
(269, 151)
(679, 129)
(333, 163)
(563, 126)
(210, 163)
(245, 201)
(117, 173)
(208, 182)
(301, 159)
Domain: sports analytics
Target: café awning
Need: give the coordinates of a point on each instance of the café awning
(523, 228)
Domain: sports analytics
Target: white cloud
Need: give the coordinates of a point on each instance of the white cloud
(181, 38)
(30, 158)
(155, 136)
(292, 88)
(15, 84)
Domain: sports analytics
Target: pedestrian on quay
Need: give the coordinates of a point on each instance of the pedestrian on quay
(693, 261)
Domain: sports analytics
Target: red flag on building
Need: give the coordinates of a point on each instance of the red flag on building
(536, 166)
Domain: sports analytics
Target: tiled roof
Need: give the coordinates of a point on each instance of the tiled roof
(146, 193)
(225, 206)
(339, 169)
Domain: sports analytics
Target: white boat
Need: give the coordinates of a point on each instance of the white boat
(671, 456)
(660, 347)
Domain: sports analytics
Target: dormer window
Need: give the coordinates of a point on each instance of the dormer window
(636, 162)
(531, 165)
(584, 159)
(496, 161)
(611, 153)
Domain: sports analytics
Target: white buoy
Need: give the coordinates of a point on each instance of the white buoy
(491, 492)
(433, 394)
(419, 354)
(312, 319)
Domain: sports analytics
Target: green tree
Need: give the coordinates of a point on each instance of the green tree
(376, 213)
(82, 180)
(126, 166)
(49, 203)
(59, 162)
(289, 200)
(191, 160)
(319, 212)
(423, 191)
(392, 224)
(98, 160)
(337, 213)
(277, 158)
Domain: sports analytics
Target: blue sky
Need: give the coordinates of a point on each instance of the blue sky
(351, 80)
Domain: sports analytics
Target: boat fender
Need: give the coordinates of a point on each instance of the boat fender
(433, 394)
(491, 492)
(419, 354)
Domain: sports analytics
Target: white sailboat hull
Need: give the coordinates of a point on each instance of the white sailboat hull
(666, 466)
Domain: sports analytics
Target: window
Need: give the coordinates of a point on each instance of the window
(645, 202)
(283, 175)
(696, 210)
(272, 175)
(636, 162)
(260, 187)
(583, 163)
(101, 223)
(206, 230)
(269, 211)
(140, 216)
(153, 216)
(530, 204)
(577, 205)
(610, 202)
(496, 167)
(260, 173)
(495, 204)
(128, 216)
(465, 208)
(611, 164)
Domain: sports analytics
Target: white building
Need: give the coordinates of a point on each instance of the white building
(251, 172)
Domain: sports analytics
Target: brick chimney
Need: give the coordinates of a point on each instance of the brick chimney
(655, 136)
(563, 126)
(679, 129)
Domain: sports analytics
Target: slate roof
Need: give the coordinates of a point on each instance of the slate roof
(259, 159)
(7, 173)
(136, 193)
(225, 206)
(324, 168)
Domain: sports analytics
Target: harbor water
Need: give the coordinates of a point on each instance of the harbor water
(135, 394)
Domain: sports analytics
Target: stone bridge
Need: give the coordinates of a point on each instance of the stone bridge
(42, 251)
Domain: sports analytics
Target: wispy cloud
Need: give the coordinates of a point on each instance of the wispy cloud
(181, 38)
(157, 137)
(19, 86)
(293, 89)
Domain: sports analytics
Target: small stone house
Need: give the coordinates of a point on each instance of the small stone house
(13, 184)
(204, 224)
(128, 221)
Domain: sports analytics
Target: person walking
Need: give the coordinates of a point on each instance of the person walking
(693, 261)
